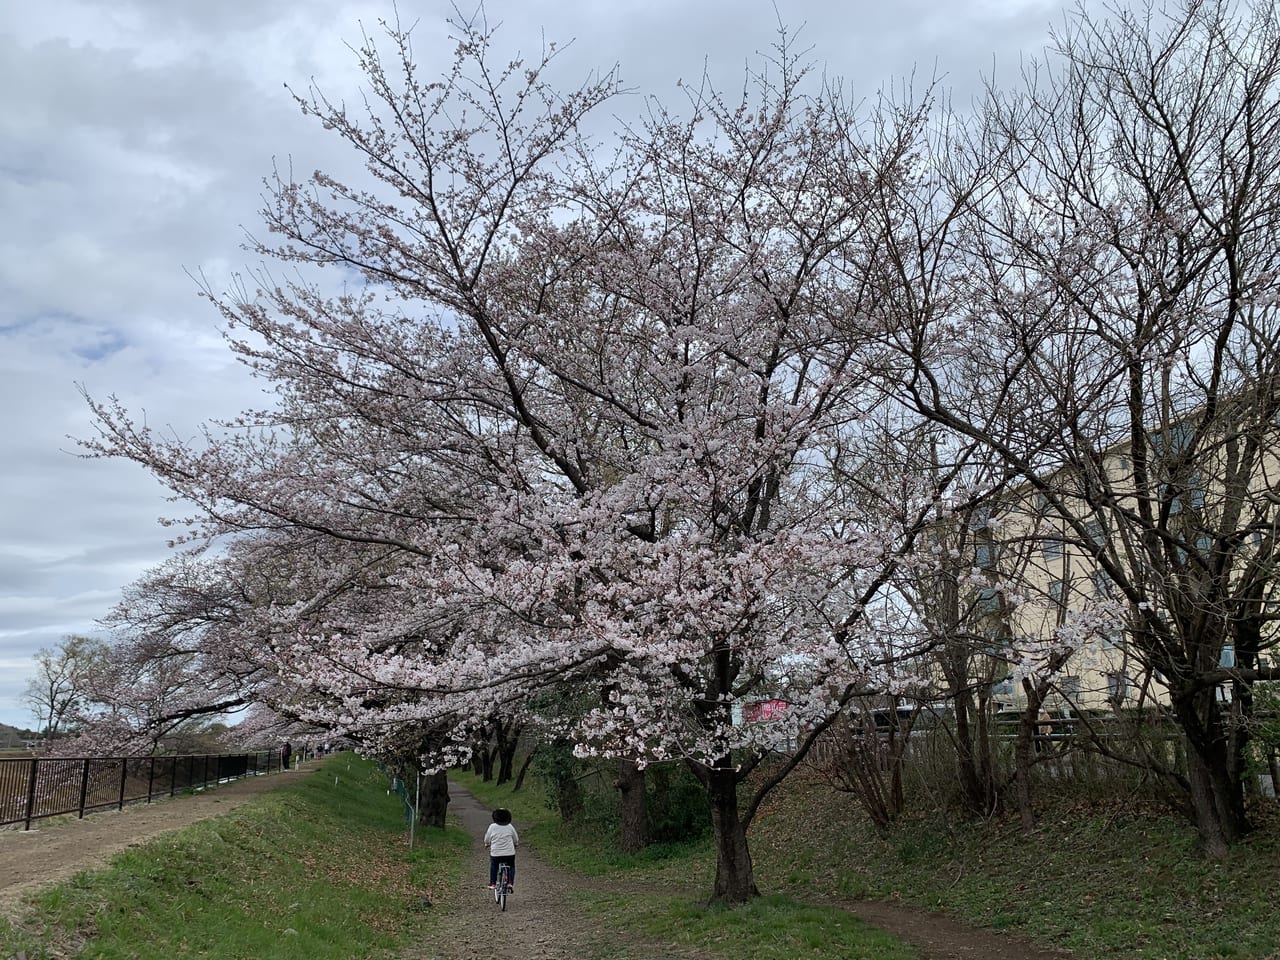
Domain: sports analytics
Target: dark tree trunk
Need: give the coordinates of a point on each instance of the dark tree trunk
(735, 876)
(1023, 749)
(486, 765)
(508, 741)
(973, 756)
(524, 768)
(635, 818)
(433, 801)
(966, 759)
(569, 799)
(1216, 785)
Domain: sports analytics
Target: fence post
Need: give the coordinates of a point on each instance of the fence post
(84, 784)
(31, 791)
(124, 777)
(151, 777)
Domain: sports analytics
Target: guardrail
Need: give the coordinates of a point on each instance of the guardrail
(34, 788)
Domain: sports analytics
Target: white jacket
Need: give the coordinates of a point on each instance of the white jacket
(501, 839)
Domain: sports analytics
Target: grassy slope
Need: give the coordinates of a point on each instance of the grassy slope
(316, 869)
(1115, 884)
(1100, 884)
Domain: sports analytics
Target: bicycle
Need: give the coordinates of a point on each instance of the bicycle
(503, 886)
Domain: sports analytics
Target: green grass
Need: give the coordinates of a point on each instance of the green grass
(1098, 884)
(768, 928)
(319, 868)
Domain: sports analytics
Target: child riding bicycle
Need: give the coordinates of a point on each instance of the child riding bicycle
(501, 840)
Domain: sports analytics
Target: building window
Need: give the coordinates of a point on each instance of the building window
(1117, 689)
(985, 555)
(1052, 549)
(988, 601)
(1069, 687)
(1058, 591)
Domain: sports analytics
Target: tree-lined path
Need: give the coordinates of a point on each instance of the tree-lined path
(541, 922)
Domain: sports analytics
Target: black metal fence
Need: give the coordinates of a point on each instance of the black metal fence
(32, 788)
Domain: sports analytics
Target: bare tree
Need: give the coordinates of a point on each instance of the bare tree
(60, 688)
(1109, 329)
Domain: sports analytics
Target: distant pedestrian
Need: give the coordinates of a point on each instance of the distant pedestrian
(286, 754)
(501, 840)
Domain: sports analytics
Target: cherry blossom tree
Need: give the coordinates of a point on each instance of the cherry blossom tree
(580, 417)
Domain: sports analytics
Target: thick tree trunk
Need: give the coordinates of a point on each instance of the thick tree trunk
(433, 801)
(1216, 786)
(635, 818)
(735, 876)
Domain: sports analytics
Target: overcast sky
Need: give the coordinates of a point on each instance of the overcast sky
(134, 135)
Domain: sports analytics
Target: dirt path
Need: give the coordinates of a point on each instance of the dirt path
(56, 849)
(938, 937)
(540, 922)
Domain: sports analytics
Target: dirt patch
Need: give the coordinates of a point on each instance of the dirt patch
(939, 937)
(59, 848)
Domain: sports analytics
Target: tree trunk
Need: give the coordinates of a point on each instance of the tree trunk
(966, 757)
(569, 799)
(1216, 786)
(1022, 752)
(635, 819)
(433, 802)
(508, 741)
(524, 768)
(735, 876)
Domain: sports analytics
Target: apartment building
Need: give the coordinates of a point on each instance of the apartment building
(1119, 574)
